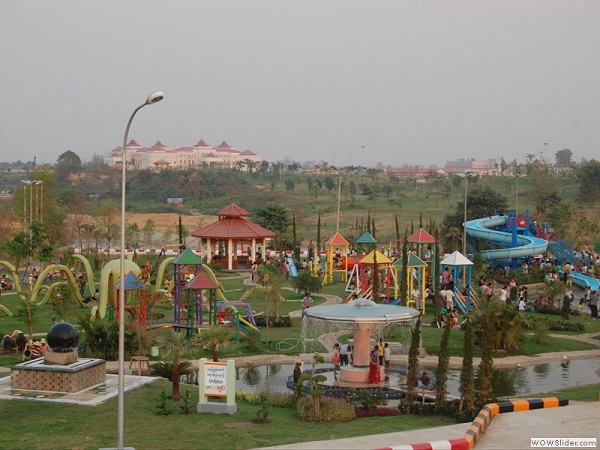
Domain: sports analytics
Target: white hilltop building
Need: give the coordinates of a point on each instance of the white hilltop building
(201, 155)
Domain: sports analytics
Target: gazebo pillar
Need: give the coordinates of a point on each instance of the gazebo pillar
(230, 254)
(252, 255)
(208, 251)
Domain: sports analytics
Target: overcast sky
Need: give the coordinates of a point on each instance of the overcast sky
(415, 82)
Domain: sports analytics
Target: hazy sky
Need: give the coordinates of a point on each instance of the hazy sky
(415, 82)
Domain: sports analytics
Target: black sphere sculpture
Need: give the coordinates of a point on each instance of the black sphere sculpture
(63, 337)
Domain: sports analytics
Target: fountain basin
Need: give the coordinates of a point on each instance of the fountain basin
(35, 375)
(352, 374)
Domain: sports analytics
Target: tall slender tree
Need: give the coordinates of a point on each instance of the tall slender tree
(441, 373)
(486, 366)
(319, 232)
(467, 393)
(412, 373)
(375, 277)
(404, 277)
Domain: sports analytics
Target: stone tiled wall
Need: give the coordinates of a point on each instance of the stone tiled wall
(54, 380)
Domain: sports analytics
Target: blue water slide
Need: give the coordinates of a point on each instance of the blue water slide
(584, 281)
(292, 267)
(526, 245)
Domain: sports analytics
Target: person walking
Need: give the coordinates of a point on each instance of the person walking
(387, 356)
(594, 305)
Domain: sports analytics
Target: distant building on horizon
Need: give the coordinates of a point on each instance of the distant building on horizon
(488, 166)
(201, 155)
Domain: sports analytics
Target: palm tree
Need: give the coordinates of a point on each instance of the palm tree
(177, 344)
(214, 339)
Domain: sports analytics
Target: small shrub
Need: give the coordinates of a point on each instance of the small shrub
(566, 308)
(262, 413)
(250, 397)
(274, 398)
(252, 339)
(216, 267)
(187, 407)
(332, 410)
(163, 408)
(540, 331)
(281, 322)
(555, 324)
(367, 400)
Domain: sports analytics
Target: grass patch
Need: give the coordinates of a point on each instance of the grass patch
(432, 337)
(71, 426)
(587, 393)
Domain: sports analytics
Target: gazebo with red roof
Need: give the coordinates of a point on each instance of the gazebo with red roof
(234, 229)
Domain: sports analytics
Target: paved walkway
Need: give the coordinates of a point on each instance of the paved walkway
(507, 431)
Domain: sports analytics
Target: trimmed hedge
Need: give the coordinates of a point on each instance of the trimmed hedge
(282, 322)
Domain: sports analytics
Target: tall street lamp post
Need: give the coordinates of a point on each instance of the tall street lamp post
(517, 176)
(466, 176)
(39, 183)
(155, 97)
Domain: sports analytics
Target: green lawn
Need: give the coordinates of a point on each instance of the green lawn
(432, 337)
(36, 425)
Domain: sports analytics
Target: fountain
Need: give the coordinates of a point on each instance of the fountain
(364, 317)
(60, 369)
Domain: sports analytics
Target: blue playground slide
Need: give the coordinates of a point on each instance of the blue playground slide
(292, 267)
(526, 245)
(584, 281)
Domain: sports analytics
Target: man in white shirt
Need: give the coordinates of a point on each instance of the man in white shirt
(449, 299)
(504, 294)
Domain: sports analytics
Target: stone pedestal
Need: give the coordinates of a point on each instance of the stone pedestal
(36, 376)
(52, 358)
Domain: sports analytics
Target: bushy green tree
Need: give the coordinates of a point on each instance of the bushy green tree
(306, 282)
(481, 202)
(588, 176)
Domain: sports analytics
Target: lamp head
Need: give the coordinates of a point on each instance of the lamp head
(155, 97)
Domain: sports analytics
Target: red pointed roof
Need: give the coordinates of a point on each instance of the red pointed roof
(233, 210)
(421, 237)
(201, 281)
(202, 143)
(338, 239)
(248, 152)
(233, 228)
(132, 143)
(158, 144)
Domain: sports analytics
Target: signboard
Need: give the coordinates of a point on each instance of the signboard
(215, 379)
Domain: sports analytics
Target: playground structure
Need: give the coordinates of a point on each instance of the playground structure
(464, 296)
(187, 289)
(362, 275)
(510, 232)
(415, 276)
(337, 258)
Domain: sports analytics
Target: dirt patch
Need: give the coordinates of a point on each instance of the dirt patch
(164, 221)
